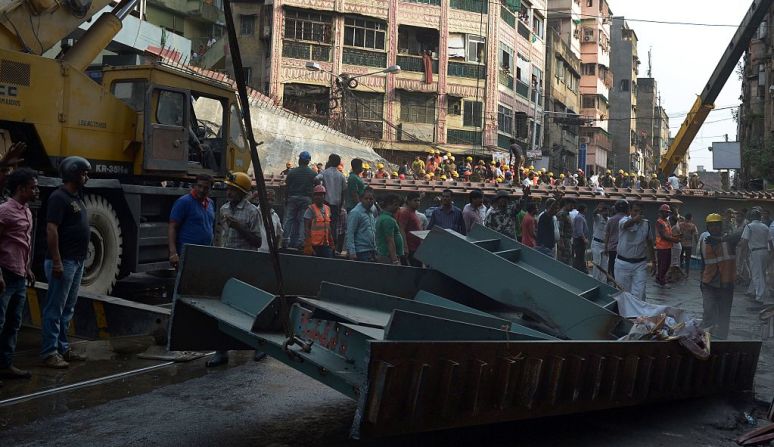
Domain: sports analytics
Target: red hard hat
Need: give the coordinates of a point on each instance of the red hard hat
(665, 207)
(319, 188)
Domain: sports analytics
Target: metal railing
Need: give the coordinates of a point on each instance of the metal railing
(306, 51)
(466, 70)
(522, 88)
(414, 63)
(427, 2)
(353, 56)
(506, 79)
(459, 136)
(507, 16)
(524, 30)
(470, 5)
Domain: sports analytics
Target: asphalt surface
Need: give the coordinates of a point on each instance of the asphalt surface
(269, 404)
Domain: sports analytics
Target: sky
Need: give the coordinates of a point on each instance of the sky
(683, 58)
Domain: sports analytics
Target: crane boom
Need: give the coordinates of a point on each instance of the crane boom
(706, 101)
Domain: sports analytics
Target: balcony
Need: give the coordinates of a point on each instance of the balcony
(206, 10)
(533, 96)
(353, 56)
(465, 70)
(479, 6)
(506, 79)
(524, 30)
(306, 51)
(414, 63)
(458, 136)
(507, 16)
(522, 88)
(426, 2)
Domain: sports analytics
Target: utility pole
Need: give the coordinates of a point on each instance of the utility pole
(534, 118)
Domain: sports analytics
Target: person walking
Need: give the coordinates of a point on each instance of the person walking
(409, 220)
(565, 221)
(611, 234)
(191, 220)
(317, 226)
(67, 236)
(598, 252)
(633, 251)
(360, 239)
(389, 241)
(689, 238)
(335, 188)
(757, 241)
(502, 218)
(239, 227)
(15, 259)
(474, 212)
(580, 240)
(718, 276)
(664, 241)
(447, 215)
(299, 185)
(529, 226)
(547, 231)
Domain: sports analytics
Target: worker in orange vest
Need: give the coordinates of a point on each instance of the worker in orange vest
(317, 226)
(718, 276)
(664, 242)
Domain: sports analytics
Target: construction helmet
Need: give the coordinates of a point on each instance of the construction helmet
(714, 218)
(379, 166)
(443, 177)
(505, 168)
(71, 167)
(561, 175)
(654, 176)
(240, 181)
(609, 171)
(469, 158)
(394, 173)
(319, 189)
(665, 208)
(455, 174)
(531, 168)
(550, 174)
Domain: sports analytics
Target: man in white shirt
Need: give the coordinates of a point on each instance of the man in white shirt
(674, 181)
(757, 239)
(598, 252)
(634, 249)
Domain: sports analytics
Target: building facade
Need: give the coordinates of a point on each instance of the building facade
(627, 143)
(563, 68)
(471, 76)
(203, 22)
(661, 139)
(596, 81)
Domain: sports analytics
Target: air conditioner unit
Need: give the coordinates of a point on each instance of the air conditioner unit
(588, 38)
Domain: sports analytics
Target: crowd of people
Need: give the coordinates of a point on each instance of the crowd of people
(445, 168)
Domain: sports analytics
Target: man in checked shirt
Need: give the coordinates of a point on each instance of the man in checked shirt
(239, 226)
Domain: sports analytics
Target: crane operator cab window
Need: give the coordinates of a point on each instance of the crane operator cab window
(207, 137)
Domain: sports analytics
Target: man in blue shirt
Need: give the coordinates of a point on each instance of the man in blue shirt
(192, 218)
(360, 240)
(299, 185)
(447, 215)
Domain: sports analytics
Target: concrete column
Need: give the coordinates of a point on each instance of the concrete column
(443, 63)
(389, 83)
(278, 23)
(491, 85)
(336, 115)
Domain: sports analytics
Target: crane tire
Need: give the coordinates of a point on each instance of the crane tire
(103, 260)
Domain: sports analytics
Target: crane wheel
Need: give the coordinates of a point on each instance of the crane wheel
(103, 259)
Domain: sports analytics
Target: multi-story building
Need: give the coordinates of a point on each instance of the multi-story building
(596, 81)
(471, 71)
(756, 119)
(563, 67)
(201, 21)
(661, 138)
(648, 120)
(626, 143)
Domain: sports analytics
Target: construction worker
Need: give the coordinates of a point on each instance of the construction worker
(607, 180)
(582, 178)
(654, 183)
(564, 221)
(598, 252)
(633, 251)
(620, 179)
(717, 277)
(694, 182)
(757, 241)
(380, 172)
(317, 226)
(664, 242)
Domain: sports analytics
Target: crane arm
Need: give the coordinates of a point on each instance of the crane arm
(34, 26)
(706, 101)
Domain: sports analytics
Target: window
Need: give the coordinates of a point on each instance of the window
(309, 26)
(130, 92)
(454, 106)
(364, 114)
(417, 108)
(171, 108)
(248, 74)
(505, 120)
(588, 102)
(538, 26)
(476, 49)
(472, 114)
(624, 85)
(589, 3)
(589, 69)
(506, 57)
(364, 33)
(246, 25)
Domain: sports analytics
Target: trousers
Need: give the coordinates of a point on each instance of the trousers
(633, 277)
(294, 221)
(598, 257)
(62, 295)
(11, 311)
(717, 309)
(663, 260)
(685, 259)
(758, 264)
(579, 254)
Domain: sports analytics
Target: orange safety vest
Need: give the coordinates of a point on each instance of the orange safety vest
(321, 225)
(662, 243)
(718, 260)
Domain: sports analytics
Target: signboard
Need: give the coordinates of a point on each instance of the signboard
(726, 155)
(582, 156)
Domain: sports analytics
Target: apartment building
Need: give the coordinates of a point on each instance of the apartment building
(563, 74)
(471, 75)
(650, 118)
(200, 21)
(627, 143)
(595, 84)
(661, 138)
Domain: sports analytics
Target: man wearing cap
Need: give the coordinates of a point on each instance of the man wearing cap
(718, 276)
(634, 248)
(317, 226)
(607, 181)
(757, 241)
(664, 242)
(299, 184)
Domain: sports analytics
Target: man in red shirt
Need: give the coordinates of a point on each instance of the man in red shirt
(408, 222)
(528, 227)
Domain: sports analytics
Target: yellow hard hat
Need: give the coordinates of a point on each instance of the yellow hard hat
(469, 158)
(455, 174)
(427, 176)
(492, 162)
(240, 181)
(654, 176)
(561, 175)
(431, 174)
(451, 157)
(379, 165)
(394, 173)
(714, 218)
(543, 170)
(500, 180)
(609, 171)
(550, 174)
(506, 168)
(421, 171)
(443, 177)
